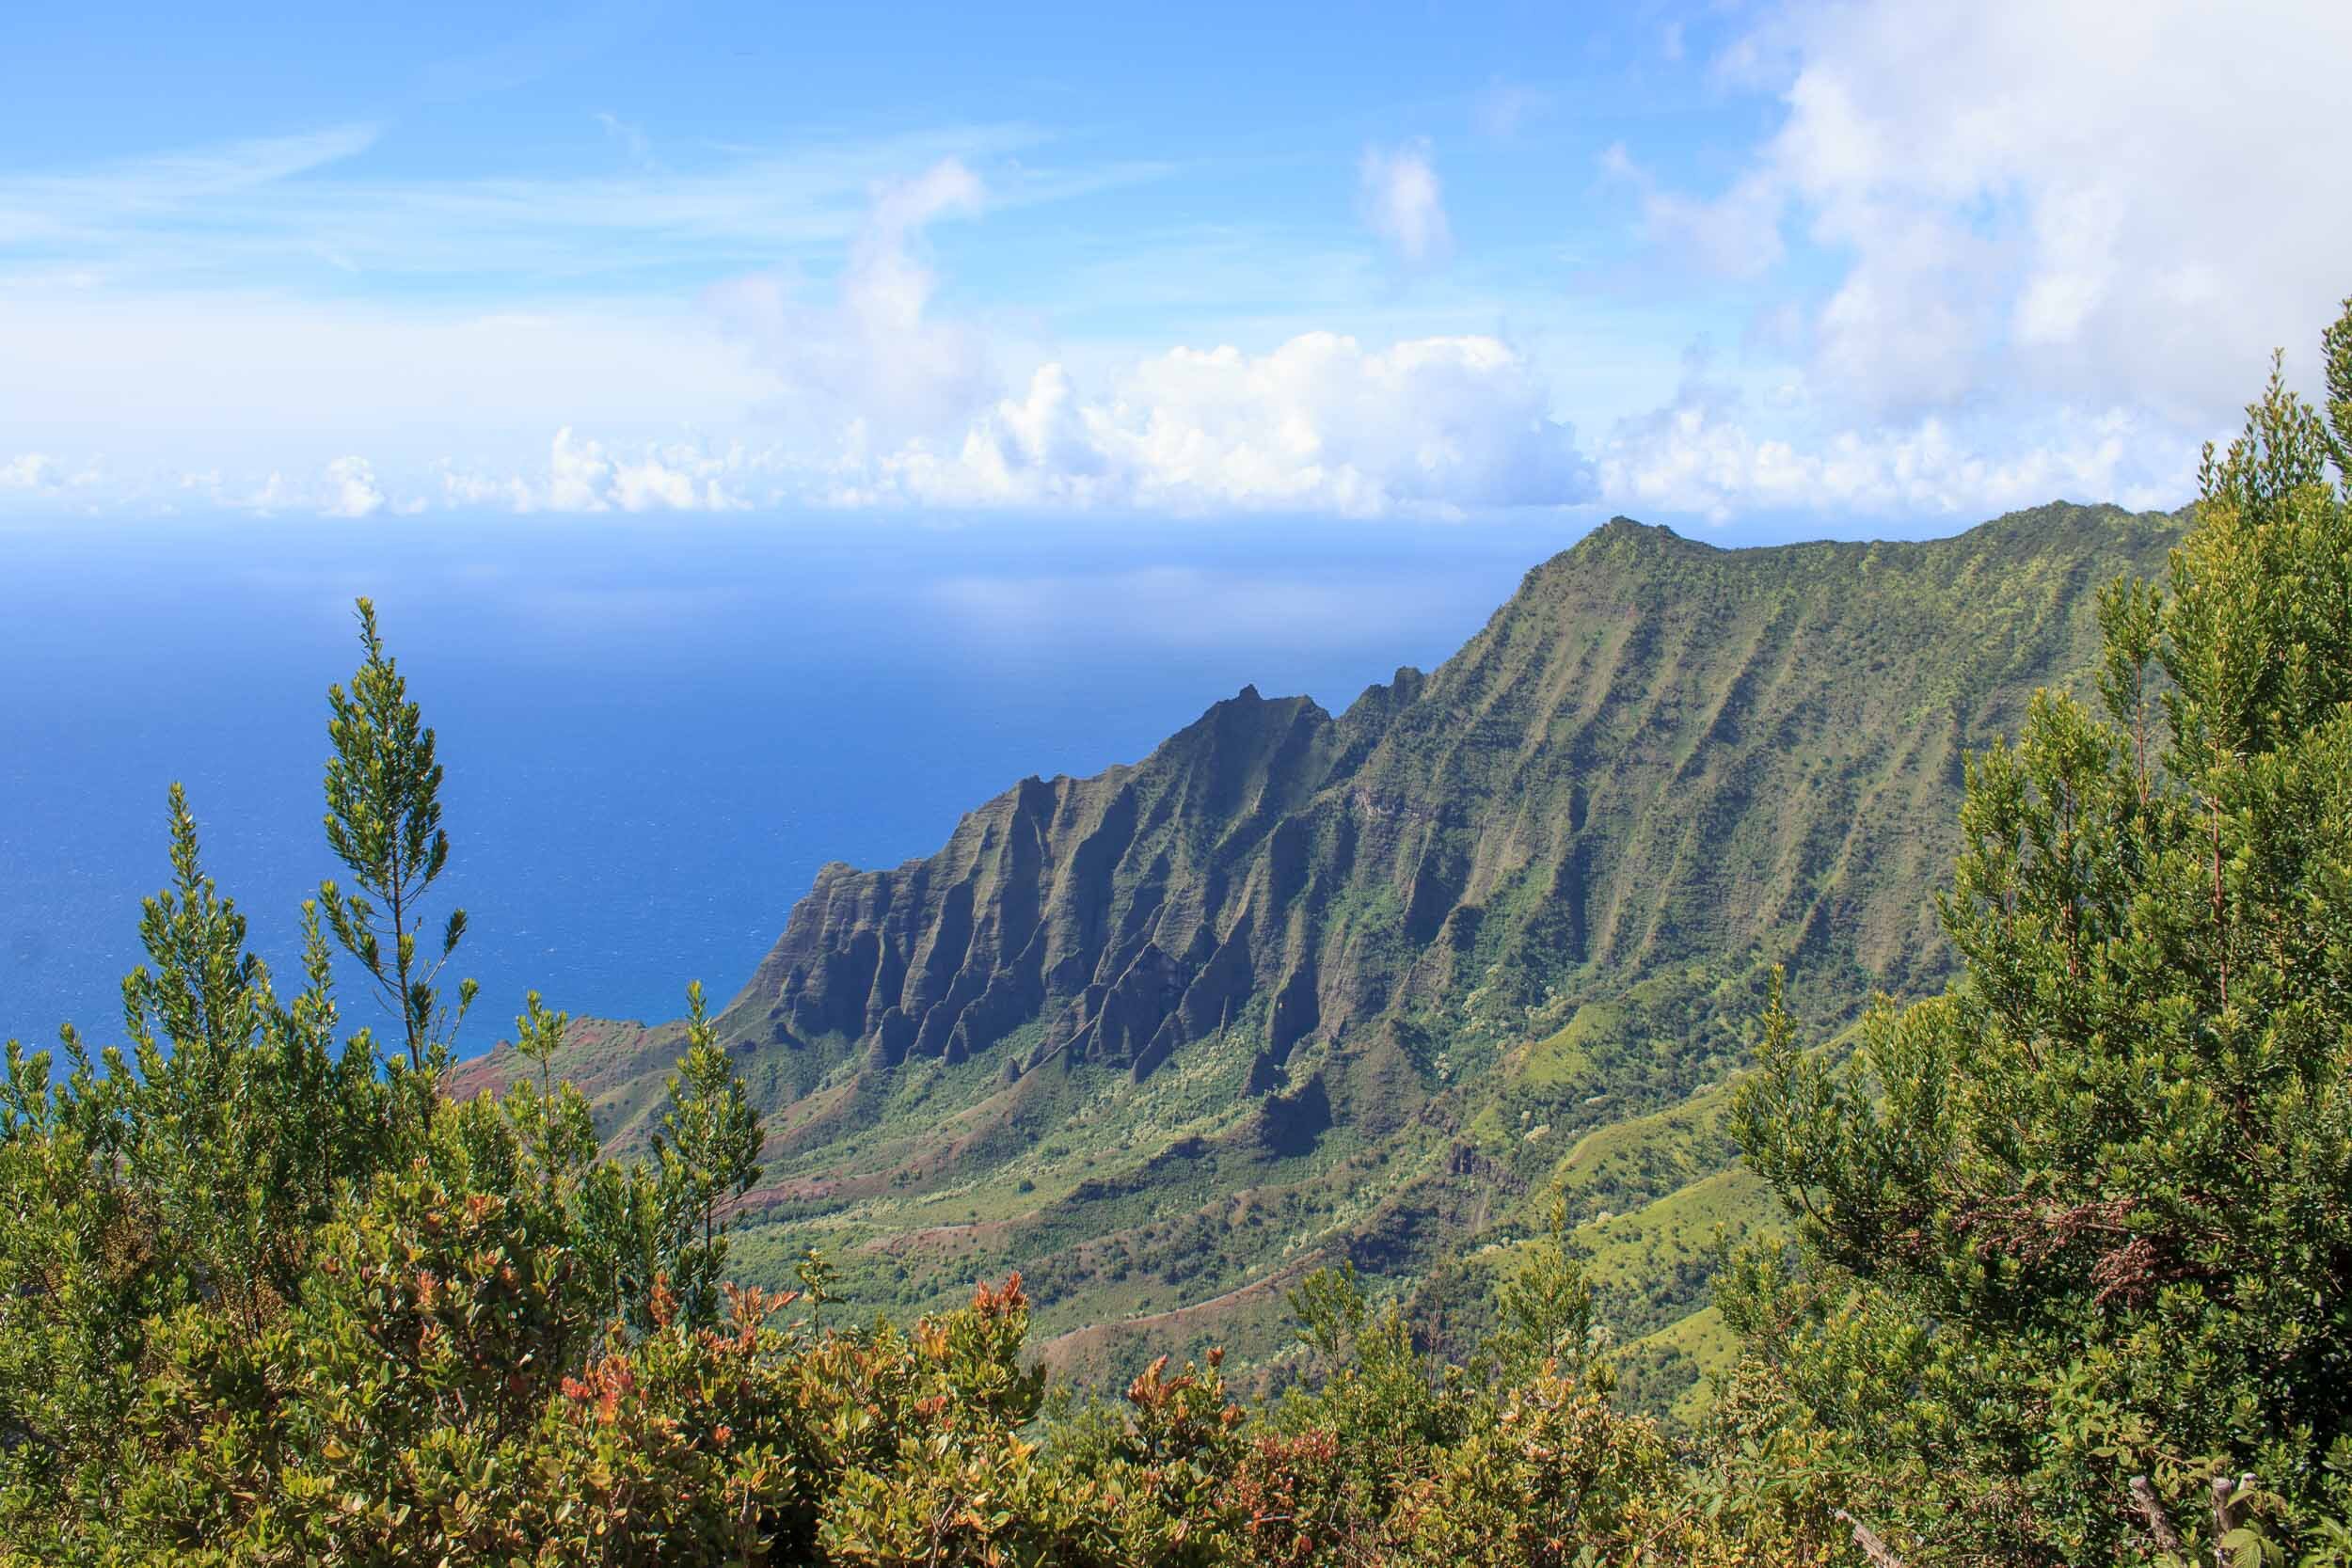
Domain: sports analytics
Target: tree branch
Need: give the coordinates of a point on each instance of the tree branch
(2160, 1529)
(1872, 1548)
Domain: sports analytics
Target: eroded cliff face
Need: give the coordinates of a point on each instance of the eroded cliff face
(1657, 749)
(1120, 912)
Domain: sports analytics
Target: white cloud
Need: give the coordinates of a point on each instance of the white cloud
(2107, 206)
(1986, 256)
(578, 475)
(1707, 458)
(586, 475)
(1433, 425)
(1430, 427)
(871, 396)
(874, 356)
(475, 492)
(346, 487)
(351, 489)
(37, 476)
(30, 471)
(1403, 204)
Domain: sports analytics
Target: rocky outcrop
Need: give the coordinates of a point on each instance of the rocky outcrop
(1110, 918)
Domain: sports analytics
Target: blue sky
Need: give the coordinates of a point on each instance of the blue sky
(1739, 267)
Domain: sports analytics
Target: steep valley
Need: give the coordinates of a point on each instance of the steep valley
(1299, 987)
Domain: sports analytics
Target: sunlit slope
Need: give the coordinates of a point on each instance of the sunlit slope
(1297, 987)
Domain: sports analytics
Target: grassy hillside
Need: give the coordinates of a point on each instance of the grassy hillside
(1299, 987)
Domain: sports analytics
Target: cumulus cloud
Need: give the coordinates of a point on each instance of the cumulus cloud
(586, 475)
(351, 489)
(1709, 458)
(1434, 426)
(346, 487)
(2063, 194)
(1430, 425)
(1403, 204)
(37, 476)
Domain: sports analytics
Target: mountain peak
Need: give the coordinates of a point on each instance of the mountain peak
(1625, 543)
(1624, 536)
(1623, 526)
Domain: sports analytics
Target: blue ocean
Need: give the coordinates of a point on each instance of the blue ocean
(655, 732)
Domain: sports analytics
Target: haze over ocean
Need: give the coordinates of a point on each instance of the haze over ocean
(655, 733)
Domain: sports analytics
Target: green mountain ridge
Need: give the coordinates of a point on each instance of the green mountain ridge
(1299, 987)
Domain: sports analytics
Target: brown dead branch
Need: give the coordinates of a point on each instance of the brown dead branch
(1872, 1548)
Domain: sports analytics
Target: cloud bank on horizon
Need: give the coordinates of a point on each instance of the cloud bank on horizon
(1880, 260)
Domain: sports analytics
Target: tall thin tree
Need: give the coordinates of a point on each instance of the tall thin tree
(384, 822)
(705, 1152)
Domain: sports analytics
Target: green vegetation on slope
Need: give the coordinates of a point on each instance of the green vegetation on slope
(1296, 989)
